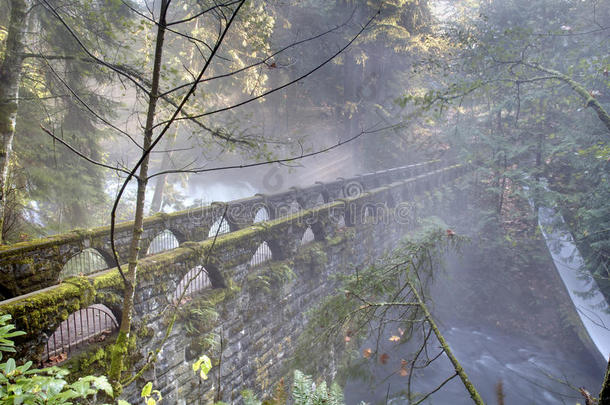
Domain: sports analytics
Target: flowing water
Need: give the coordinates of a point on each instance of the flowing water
(531, 371)
(584, 292)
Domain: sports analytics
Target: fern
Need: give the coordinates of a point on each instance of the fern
(301, 388)
(249, 398)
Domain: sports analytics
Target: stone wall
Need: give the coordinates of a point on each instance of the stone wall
(253, 313)
(30, 266)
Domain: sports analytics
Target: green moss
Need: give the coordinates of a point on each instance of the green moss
(270, 277)
(36, 312)
(313, 255)
(93, 361)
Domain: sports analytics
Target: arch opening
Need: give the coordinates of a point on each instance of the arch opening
(288, 209)
(308, 236)
(262, 255)
(261, 215)
(165, 240)
(87, 261)
(197, 279)
(82, 327)
(221, 225)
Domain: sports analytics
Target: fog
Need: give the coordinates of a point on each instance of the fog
(280, 94)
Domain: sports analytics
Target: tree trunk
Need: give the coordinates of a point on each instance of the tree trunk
(474, 394)
(119, 350)
(10, 77)
(604, 395)
(157, 200)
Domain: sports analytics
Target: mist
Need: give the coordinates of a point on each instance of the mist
(119, 115)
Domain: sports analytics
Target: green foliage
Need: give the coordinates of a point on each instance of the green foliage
(365, 294)
(304, 392)
(203, 366)
(26, 385)
(150, 396)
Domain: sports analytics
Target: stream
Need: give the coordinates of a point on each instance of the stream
(533, 370)
(530, 370)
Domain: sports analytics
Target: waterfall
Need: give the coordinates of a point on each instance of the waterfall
(584, 291)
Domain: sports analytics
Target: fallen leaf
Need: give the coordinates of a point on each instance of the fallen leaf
(450, 232)
(383, 359)
(367, 353)
(347, 338)
(404, 372)
(403, 363)
(395, 338)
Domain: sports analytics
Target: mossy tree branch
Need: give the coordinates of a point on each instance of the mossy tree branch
(590, 101)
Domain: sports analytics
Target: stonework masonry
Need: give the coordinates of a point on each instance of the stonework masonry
(250, 318)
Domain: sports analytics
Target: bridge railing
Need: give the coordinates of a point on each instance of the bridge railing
(160, 276)
(30, 266)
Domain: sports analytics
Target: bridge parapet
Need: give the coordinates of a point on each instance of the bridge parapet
(30, 266)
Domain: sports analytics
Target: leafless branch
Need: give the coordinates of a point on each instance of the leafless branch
(87, 158)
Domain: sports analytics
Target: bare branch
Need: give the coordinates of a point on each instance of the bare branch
(276, 89)
(87, 158)
(266, 59)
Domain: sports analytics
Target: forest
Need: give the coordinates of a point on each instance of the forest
(121, 118)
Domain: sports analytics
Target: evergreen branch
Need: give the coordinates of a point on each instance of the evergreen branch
(283, 86)
(266, 59)
(95, 114)
(590, 101)
(102, 62)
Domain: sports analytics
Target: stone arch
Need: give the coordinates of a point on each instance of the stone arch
(325, 196)
(286, 209)
(320, 200)
(164, 240)
(337, 217)
(82, 327)
(261, 215)
(195, 280)
(370, 211)
(308, 236)
(261, 255)
(221, 225)
(5, 293)
(87, 261)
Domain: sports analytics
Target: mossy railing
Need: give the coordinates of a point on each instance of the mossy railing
(32, 265)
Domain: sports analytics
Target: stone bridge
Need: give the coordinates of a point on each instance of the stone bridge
(240, 298)
(30, 266)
